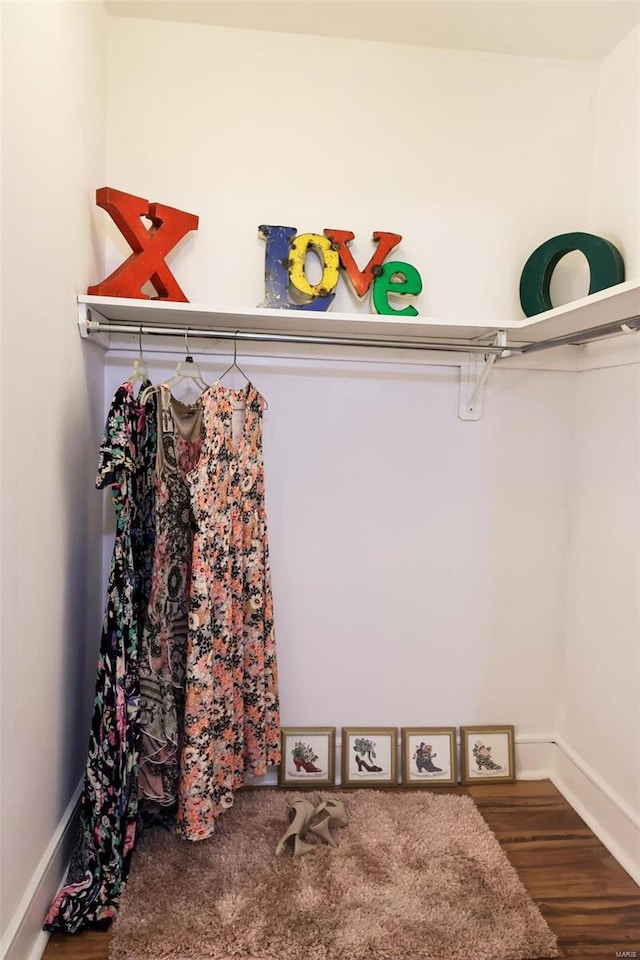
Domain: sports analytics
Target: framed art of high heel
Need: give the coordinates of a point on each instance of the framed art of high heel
(369, 756)
(308, 756)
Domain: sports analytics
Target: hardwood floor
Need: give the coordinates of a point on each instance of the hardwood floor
(588, 900)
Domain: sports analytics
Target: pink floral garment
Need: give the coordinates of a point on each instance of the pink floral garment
(232, 718)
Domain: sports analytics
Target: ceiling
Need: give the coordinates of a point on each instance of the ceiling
(559, 29)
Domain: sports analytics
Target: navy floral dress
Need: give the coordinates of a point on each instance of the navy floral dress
(109, 804)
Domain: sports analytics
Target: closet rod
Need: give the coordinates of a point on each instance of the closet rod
(580, 337)
(207, 333)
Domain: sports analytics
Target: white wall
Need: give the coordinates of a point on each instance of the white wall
(598, 765)
(615, 190)
(419, 562)
(599, 711)
(53, 62)
(475, 158)
(417, 559)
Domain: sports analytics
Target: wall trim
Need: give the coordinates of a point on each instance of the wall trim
(24, 938)
(594, 778)
(611, 818)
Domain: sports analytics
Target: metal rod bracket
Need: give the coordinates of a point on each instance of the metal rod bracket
(89, 326)
(473, 377)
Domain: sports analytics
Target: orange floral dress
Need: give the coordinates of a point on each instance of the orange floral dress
(232, 718)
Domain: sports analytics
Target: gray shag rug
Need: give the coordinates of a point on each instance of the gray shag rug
(415, 876)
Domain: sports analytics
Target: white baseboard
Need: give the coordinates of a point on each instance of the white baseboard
(534, 757)
(24, 938)
(612, 820)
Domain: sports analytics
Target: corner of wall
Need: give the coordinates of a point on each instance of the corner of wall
(614, 194)
(615, 824)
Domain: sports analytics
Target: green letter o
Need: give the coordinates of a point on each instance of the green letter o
(606, 268)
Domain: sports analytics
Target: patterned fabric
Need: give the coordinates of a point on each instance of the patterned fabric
(100, 863)
(231, 710)
(162, 658)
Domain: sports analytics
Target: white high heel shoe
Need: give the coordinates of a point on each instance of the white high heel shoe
(319, 824)
(301, 812)
(336, 809)
(330, 811)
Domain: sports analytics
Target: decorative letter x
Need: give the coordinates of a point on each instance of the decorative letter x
(150, 247)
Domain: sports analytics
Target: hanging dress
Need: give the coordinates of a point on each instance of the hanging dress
(109, 804)
(162, 658)
(232, 722)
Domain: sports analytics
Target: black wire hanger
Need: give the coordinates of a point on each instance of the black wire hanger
(235, 365)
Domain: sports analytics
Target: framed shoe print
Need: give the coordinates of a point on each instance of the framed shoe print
(369, 756)
(487, 754)
(429, 756)
(308, 756)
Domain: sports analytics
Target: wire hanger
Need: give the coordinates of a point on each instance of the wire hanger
(235, 365)
(140, 372)
(235, 361)
(188, 369)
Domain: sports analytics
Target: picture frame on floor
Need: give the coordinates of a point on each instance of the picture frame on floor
(369, 756)
(308, 756)
(487, 754)
(429, 756)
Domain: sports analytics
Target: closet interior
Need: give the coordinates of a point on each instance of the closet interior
(452, 499)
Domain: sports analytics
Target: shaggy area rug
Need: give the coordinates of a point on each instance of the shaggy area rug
(415, 876)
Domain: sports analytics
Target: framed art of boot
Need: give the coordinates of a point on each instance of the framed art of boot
(308, 756)
(429, 756)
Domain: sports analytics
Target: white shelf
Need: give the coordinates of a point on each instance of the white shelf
(614, 305)
(598, 311)
(320, 323)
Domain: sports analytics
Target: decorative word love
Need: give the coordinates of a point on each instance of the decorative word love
(287, 285)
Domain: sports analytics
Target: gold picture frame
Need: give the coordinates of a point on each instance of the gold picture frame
(308, 757)
(429, 756)
(487, 754)
(369, 756)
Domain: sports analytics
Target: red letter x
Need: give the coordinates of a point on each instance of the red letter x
(361, 279)
(150, 247)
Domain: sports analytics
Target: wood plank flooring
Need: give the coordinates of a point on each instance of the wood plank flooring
(588, 900)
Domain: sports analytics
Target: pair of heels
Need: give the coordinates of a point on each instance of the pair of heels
(305, 817)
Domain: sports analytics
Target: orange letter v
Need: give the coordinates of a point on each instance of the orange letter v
(362, 279)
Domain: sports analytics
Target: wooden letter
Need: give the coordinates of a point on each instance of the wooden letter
(150, 246)
(297, 261)
(278, 261)
(361, 280)
(386, 284)
(606, 268)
